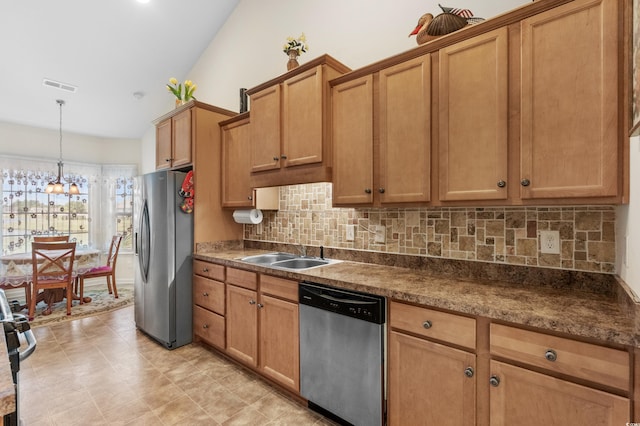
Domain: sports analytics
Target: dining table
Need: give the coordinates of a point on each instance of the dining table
(16, 268)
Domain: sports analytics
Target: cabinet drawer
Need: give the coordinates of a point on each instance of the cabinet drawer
(578, 359)
(208, 270)
(242, 278)
(427, 322)
(279, 287)
(209, 294)
(209, 326)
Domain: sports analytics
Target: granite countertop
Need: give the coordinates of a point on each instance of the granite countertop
(577, 313)
(7, 388)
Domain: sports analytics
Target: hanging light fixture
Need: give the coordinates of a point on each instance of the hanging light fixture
(57, 187)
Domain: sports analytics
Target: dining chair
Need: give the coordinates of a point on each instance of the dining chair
(54, 239)
(52, 268)
(108, 270)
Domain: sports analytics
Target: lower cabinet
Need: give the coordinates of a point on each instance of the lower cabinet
(564, 389)
(430, 382)
(208, 303)
(262, 325)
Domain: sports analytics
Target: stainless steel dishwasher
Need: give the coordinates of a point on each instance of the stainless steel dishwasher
(342, 353)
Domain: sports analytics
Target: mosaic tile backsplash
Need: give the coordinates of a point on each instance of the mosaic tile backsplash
(507, 235)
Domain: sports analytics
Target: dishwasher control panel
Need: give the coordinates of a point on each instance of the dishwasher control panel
(367, 307)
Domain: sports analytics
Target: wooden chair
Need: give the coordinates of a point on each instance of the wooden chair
(108, 270)
(52, 268)
(55, 239)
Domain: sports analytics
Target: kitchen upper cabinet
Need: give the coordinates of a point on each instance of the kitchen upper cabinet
(352, 134)
(570, 98)
(236, 188)
(290, 126)
(173, 141)
(473, 118)
(382, 150)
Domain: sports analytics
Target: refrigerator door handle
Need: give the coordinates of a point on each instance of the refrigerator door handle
(145, 243)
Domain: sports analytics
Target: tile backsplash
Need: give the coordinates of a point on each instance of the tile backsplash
(507, 235)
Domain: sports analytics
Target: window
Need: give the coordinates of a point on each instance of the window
(124, 211)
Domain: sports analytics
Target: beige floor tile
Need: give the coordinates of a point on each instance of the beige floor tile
(102, 371)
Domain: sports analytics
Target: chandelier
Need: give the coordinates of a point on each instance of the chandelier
(57, 187)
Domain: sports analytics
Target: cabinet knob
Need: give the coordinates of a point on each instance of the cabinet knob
(167, 159)
(494, 381)
(427, 324)
(381, 190)
(205, 326)
(502, 184)
(260, 305)
(205, 294)
(284, 157)
(250, 198)
(276, 158)
(367, 191)
(468, 371)
(525, 182)
(252, 302)
(205, 269)
(551, 355)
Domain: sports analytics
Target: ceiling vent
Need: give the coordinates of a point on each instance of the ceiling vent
(58, 85)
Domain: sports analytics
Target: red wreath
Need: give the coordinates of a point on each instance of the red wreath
(187, 191)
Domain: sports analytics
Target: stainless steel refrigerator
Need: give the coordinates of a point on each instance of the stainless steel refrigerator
(163, 238)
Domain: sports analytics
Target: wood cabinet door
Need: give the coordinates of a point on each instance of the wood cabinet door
(473, 118)
(181, 149)
(405, 132)
(279, 341)
(570, 101)
(163, 145)
(303, 112)
(428, 384)
(265, 129)
(242, 324)
(236, 165)
(352, 139)
(527, 398)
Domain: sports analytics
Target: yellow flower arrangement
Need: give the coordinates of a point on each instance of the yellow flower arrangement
(177, 89)
(298, 44)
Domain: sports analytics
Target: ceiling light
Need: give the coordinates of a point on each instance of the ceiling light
(59, 85)
(57, 187)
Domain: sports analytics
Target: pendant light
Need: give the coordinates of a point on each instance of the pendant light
(57, 187)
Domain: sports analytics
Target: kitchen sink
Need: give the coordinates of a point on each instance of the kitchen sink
(288, 261)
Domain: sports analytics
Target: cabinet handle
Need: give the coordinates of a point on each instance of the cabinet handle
(381, 190)
(502, 184)
(551, 355)
(494, 381)
(167, 159)
(250, 198)
(427, 324)
(252, 302)
(284, 157)
(468, 371)
(367, 191)
(276, 158)
(205, 326)
(525, 182)
(205, 294)
(205, 269)
(260, 305)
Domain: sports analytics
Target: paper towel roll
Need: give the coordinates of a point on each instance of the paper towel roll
(252, 217)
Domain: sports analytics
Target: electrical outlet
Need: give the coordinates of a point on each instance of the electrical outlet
(351, 232)
(380, 234)
(549, 242)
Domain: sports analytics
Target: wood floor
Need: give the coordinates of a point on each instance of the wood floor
(101, 371)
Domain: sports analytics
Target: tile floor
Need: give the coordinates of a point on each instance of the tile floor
(101, 371)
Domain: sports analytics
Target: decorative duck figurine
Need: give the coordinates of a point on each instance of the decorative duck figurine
(450, 20)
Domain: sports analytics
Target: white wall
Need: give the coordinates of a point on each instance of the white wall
(28, 141)
(627, 226)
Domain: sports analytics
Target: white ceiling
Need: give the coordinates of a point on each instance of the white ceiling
(109, 49)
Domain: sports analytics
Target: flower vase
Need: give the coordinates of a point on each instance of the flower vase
(293, 59)
(179, 103)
